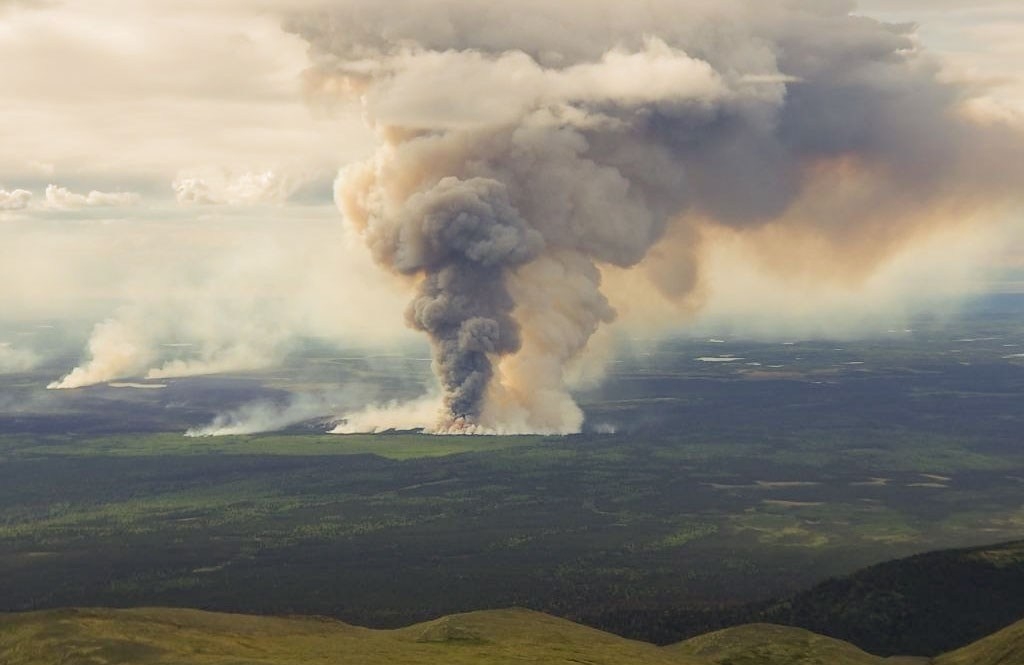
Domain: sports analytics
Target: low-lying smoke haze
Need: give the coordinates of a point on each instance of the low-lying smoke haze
(238, 302)
(518, 185)
(267, 416)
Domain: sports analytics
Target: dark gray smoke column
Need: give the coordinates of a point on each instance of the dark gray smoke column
(527, 147)
(464, 236)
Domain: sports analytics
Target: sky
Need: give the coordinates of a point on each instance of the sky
(120, 96)
(977, 40)
(168, 179)
(135, 96)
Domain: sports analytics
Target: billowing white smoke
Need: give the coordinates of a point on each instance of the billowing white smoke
(218, 295)
(349, 410)
(229, 336)
(529, 147)
(117, 349)
(268, 416)
(395, 415)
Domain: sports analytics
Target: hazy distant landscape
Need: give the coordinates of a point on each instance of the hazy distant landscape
(723, 484)
(675, 332)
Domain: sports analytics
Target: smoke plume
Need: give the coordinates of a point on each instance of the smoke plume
(117, 349)
(206, 296)
(395, 415)
(528, 148)
(268, 416)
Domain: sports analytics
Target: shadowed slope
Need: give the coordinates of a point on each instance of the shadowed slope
(1004, 648)
(926, 604)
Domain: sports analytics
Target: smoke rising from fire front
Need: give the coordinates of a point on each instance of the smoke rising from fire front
(529, 149)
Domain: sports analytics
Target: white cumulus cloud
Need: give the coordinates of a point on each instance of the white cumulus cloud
(222, 187)
(17, 199)
(61, 198)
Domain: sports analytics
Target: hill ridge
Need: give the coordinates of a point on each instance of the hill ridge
(929, 603)
(161, 636)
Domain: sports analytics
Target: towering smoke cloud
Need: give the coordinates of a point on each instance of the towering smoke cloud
(464, 236)
(528, 147)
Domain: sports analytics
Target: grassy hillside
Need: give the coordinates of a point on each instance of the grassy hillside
(765, 644)
(926, 604)
(180, 637)
(166, 636)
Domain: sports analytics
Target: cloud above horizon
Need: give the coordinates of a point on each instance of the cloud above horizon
(17, 199)
(61, 198)
(119, 95)
(221, 187)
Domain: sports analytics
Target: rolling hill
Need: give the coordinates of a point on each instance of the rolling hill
(515, 636)
(166, 636)
(766, 644)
